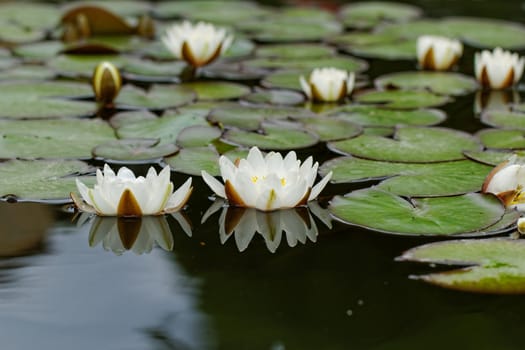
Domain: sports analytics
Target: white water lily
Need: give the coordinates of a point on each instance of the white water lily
(498, 69)
(507, 181)
(267, 182)
(521, 225)
(124, 194)
(328, 84)
(437, 52)
(198, 44)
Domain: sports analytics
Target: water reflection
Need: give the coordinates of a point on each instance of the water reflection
(139, 235)
(495, 100)
(297, 224)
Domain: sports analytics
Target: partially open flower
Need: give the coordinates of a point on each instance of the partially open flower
(267, 183)
(521, 225)
(498, 69)
(106, 82)
(328, 84)
(437, 52)
(198, 44)
(507, 181)
(124, 194)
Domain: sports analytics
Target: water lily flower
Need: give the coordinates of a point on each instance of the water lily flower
(507, 181)
(124, 194)
(437, 52)
(267, 182)
(521, 225)
(498, 69)
(328, 84)
(198, 44)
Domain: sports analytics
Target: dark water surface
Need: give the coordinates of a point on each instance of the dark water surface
(344, 291)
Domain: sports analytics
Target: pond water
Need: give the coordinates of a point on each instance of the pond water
(67, 283)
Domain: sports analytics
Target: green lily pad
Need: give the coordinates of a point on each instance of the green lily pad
(504, 119)
(401, 99)
(250, 118)
(166, 128)
(295, 51)
(283, 80)
(411, 145)
(502, 139)
(193, 160)
(39, 51)
(358, 38)
(493, 265)
(330, 128)
(306, 65)
(217, 90)
(82, 66)
(491, 157)
(198, 136)
(29, 15)
(378, 131)
(395, 50)
(26, 72)
(273, 136)
(207, 10)
(386, 212)
(133, 151)
(377, 116)
(54, 138)
(120, 7)
(153, 70)
(479, 32)
(275, 97)
(369, 14)
(40, 180)
(444, 83)
(413, 180)
(157, 97)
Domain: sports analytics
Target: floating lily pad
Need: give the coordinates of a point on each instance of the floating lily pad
(209, 10)
(217, 90)
(491, 157)
(165, 128)
(283, 80)
(275, 97)
(395, 50)
(153, 71)
(41, 179)
(120, 7)
(494, 265)
(378, 131)
(504, 119)
(83, 65)
(331, 128)
(193, 160)
(157, 97)
(369, 14)
(414, 180)
(376, 116)
(401, 99)
(26, 72)
(250, 118)
(503, 139)
(445, 83)
(294, 51)
(233, 71)
(386, 212)
(133, 151)
(55, 138)
(411, 145)
(273, 136)
(39, 51)
(198, 136)
(306, 65)
(479, 32)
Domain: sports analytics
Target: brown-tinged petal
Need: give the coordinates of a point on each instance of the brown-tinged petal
(233, 197)
(128, 205)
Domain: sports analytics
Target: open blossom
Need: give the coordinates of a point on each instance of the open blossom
(267, 182)
(328, 84)
(498, 69)
(437, 52)
(507, 181)
(124, 194)
(198, 44)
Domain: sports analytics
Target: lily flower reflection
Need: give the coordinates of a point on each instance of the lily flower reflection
(495, 100)
(297, 224)
(498, 69)
(139, 235)
(124, 194)
(328, 84)
(198, 44)
(437, 52)
(507, 182)
(267, 182)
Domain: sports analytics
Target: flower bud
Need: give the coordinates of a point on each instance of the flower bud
(498, 69)
(106, 82)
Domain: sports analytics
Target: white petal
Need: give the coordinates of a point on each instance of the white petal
(316, 190)
(179, 197)
(214, 184)
(305, 86)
